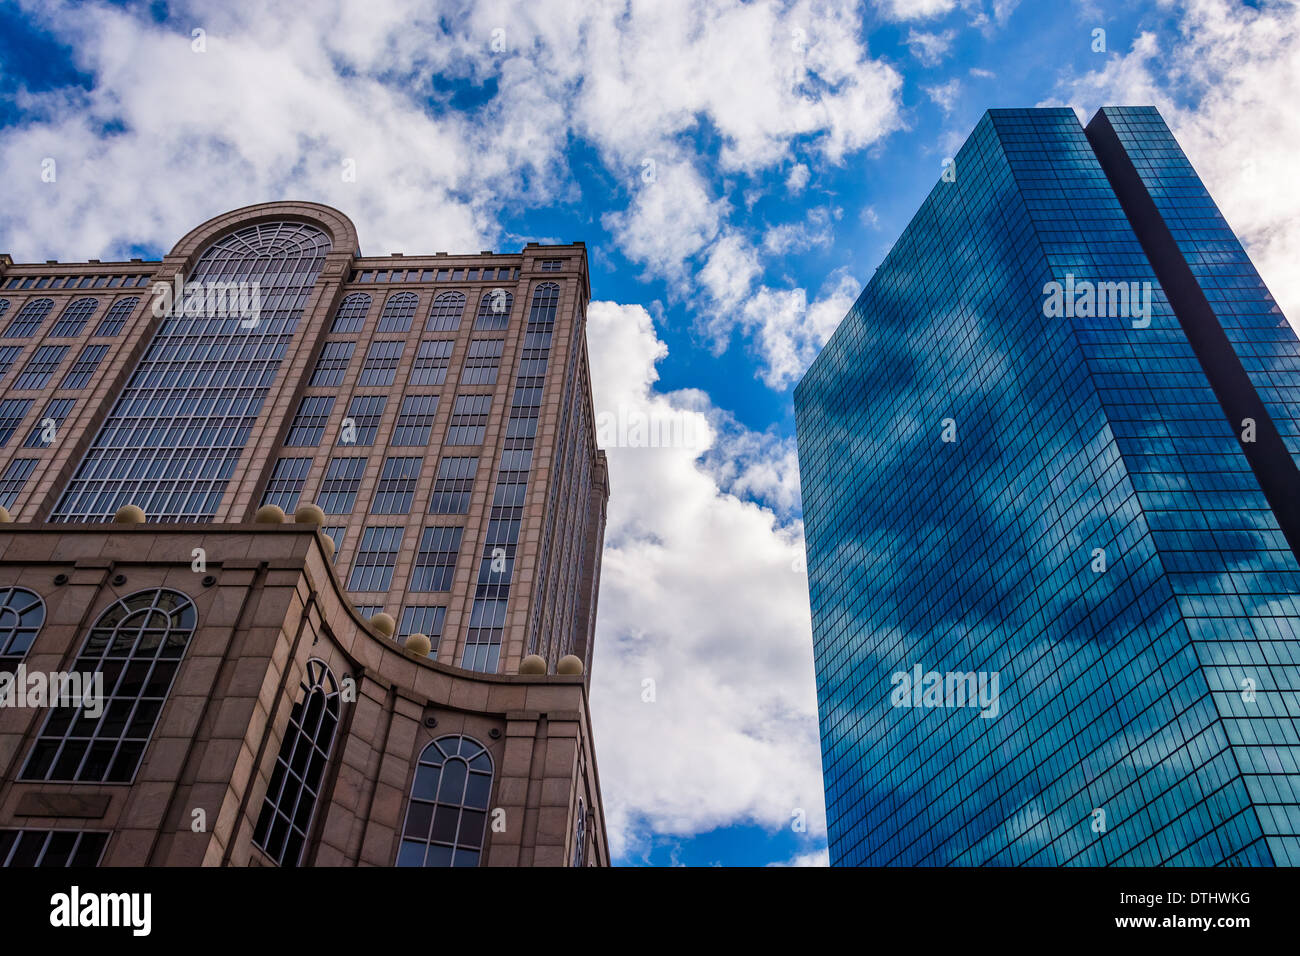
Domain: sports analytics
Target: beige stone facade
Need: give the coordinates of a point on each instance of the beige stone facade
(528, 535)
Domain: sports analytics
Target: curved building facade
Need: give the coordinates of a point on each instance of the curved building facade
(438, 410)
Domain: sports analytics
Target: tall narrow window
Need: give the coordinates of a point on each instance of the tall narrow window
(29, 318)
(399, 310)
(14, 478)
(453, 486)
(9, 354)
(176, 433)
(431, 362)
(469, 417)
(351, 316)
(309, 424)
(580, 836)
(46, 430)
(332, 365)
(435, 561)
(84, 367)
(43, 363)
(137, 645)
(335, 533)
(381, 364)
(482, 361)
(290, 803)
(115, 318)
(445, 315)
(415, 420)
(446, 814)
(376, 558)
(396, 486)
(338, 492)
(365, 413)
(22, 613)
(74, 318)
(494, 311)
(285, 484)
(12, 413)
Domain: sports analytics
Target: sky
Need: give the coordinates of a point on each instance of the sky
(737, 170)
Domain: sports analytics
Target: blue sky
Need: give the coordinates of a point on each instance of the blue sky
(737, 172)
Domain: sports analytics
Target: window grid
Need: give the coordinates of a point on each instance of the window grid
(399, 310)
(422, 619)
(308, 426)
(431, 362)
(84, 367)
(178, 429)
(446, 815)
(446, 312)
(415, 420)
(469, 418)
(285, 485)
(43, 363)
(365, 413)
(396, 487)
(435, 561)
(137, 643)
(373, 568)
(332, 366)
(494, 311)
(115, 318)
(22, 613)
(453, 487)
(482, 360)
(12, 413)
(51, 848)
(74, 318)
(57, 412)
(338, 492)
(380, 366)
(14, 478)
(289, 806)
(351, 316)
(29, 318)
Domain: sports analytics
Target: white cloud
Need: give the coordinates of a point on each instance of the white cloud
(788, 332)
(930, 48)
(814, 858)
(1241, 67)
(730, 270)
(798, 178)
(700, 593)
(915, 9)
(944, 95)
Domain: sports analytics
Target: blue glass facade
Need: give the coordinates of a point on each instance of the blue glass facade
(1055, 613)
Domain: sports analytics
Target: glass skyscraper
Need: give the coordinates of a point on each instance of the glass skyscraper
(1049, 471)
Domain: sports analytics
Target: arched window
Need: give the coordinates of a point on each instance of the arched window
(494, 310)
(29, 318)
(446, 312)
(137, 645)
(447, 812)
(580, 836)
(351, 316)
(399, 310)
(290, 802)
(22, 613)
(74, 318)
(177, 432)
(116, 316)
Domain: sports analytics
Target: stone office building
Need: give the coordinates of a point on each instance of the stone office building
(325, 528)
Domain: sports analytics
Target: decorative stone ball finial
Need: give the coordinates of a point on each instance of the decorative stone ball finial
(309, 513)
(269, 514)
(129, 514)
(383, 624)
(569, 665)
(533, 664)
(418, 645)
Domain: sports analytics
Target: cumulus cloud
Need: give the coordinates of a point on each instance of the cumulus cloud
(915, 9)
(702, 593)
(930, 48)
